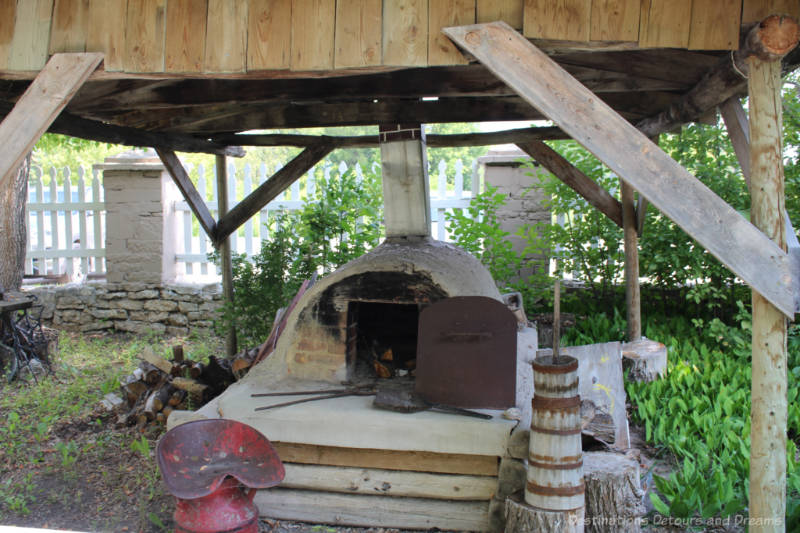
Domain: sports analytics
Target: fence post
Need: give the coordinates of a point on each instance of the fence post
(141, 223)
(525, 201)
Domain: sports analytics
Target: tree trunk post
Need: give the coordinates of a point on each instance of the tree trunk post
(225, 248)
(769, 404)
(632, 299)
(13, 198)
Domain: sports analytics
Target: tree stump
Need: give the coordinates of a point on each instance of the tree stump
(613, 493)
(646, 360)
(522, 518)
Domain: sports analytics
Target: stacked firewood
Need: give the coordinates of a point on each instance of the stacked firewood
(159, 386)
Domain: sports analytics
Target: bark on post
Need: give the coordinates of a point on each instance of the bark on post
(777, 36)
(225, 248)
(632, 299)
(13, 197)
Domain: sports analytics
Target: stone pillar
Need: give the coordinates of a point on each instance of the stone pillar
(141, 225)
(525, 201)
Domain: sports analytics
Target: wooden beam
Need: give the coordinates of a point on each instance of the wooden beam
(631, 242)
(188, 190)
(735, 118)
(593, 193)
(632, 156)
(268, 190)
(769, 357)
(224, 245)
(47, 95)
(770, 38)
(371, 141)
(68, 124)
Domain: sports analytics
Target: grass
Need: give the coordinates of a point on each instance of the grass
(64, 462)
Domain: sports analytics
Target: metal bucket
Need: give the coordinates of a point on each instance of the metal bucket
(555, 460)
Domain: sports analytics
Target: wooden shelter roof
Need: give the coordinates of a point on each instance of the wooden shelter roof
(207, 68)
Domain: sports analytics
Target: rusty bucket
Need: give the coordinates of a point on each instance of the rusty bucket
(555, 461)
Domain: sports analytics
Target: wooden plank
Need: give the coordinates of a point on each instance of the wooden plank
(188, 190)
(372, 511)
(226, 40)
(405, 32)
(615, 20)
(665, 23)
(358, 33)
(509, 11)
(313, 28)
(69, 27)
(40, 105)
(145, 25)
(715, 24)
(31, 35)
(593, 193)
(270, 189)
(568, 20)
(617, 143)
(106, 31)
(477, 465)
(389, 482)
(185, 41)
(768, 411)
(443, 14)
(8, 13)
(269, 37)
(758, 10)
(736, 123)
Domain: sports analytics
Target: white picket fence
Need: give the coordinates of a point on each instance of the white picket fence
(66, 223)
(195, 246)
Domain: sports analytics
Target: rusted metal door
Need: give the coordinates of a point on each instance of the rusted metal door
(467, 353)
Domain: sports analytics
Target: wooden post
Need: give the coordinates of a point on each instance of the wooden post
(226, 263)
(632, 299)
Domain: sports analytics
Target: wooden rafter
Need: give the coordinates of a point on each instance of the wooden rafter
(370, 141)
(625, 150)
(268, 190)
(735, 118)
(593, 193)
(188, 190)
(49, 93)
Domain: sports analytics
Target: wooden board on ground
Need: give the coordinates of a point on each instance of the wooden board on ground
(441, 463)
(733, 240)
(40, 105)
(388, 482)
(374, 511)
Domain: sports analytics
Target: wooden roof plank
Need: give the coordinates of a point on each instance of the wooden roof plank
(441, 14)
(226, 38)
(145, 36)
(313, 26)
(715, 24)
(31, 35)
(107, 20)
(665, 23)
(69, 26)
(40, 105)
(615, 20)
(186, 35)
(666, 184)
(269, 37)
(358, 33)
(568, 20)
(405, 32)
(758, 10)
(509, 11)
(8, 13)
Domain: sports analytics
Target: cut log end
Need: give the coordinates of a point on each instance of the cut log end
(774, 37)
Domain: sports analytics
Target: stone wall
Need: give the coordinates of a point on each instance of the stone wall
(130, 307)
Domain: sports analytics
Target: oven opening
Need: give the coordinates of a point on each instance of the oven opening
(382, 340)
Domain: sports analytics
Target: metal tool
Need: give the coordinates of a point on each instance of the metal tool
(404, 400)
(318, 395)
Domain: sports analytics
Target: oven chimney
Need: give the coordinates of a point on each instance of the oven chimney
(406, 195)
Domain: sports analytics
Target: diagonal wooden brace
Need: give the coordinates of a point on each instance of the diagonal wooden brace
(188, 190)
(638, 161)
